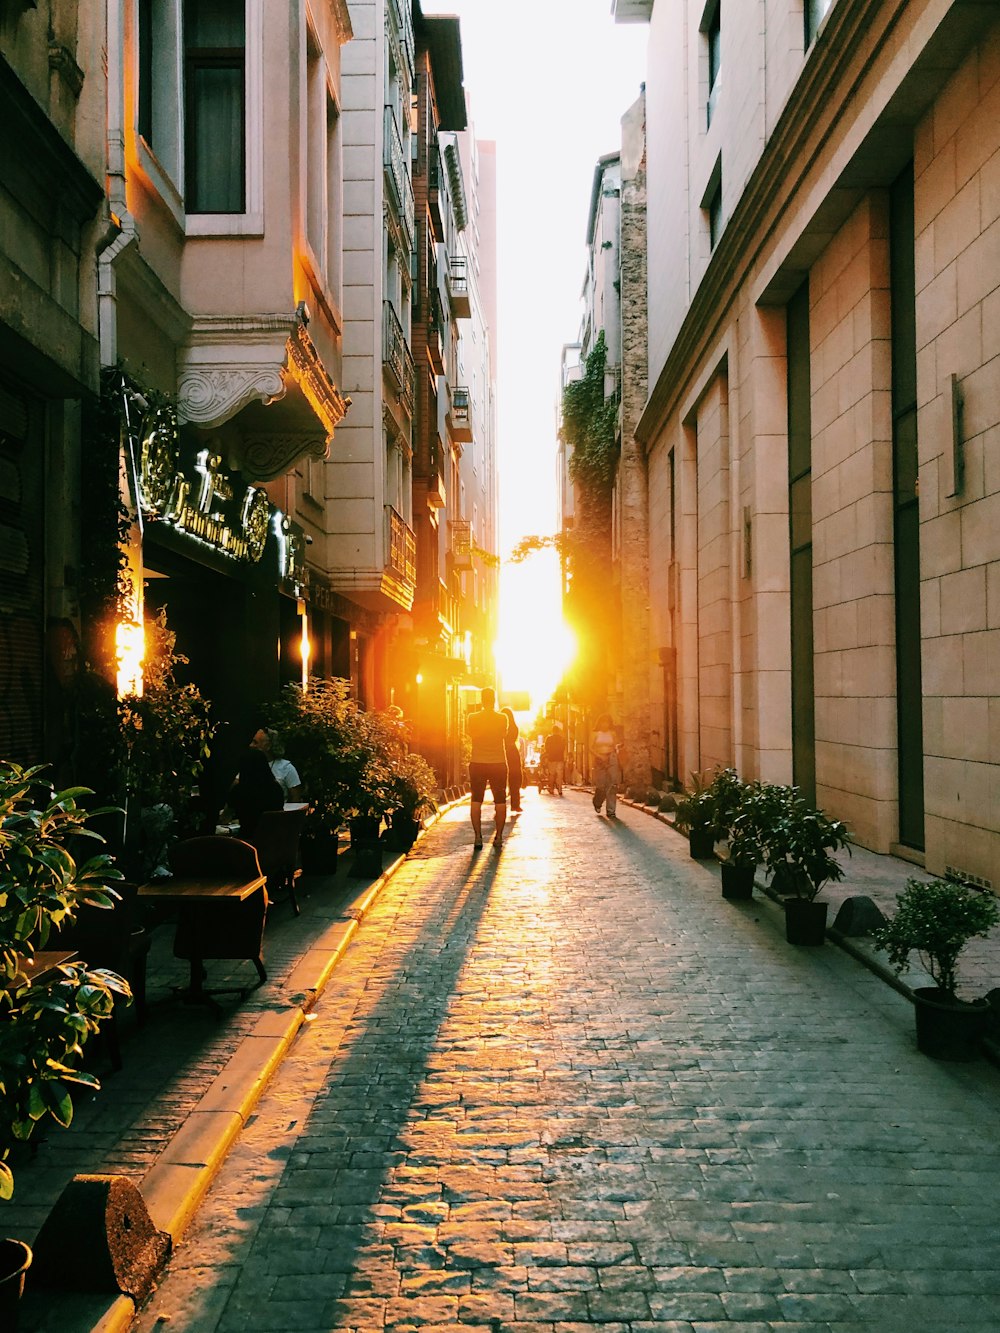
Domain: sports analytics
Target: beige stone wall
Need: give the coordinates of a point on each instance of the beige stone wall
(759, 385)
(957, 201)
(714, 600)
(853, 570)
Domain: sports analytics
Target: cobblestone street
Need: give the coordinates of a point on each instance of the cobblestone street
(567, 1084)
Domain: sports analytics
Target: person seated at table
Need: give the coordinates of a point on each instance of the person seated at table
(269, 744)
(255, 790)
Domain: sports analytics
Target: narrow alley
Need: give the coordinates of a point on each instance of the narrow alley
(567, 1084)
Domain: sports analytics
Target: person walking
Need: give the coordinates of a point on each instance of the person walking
(554, 759)
(515, 770)
(605, 749)
(487, 732)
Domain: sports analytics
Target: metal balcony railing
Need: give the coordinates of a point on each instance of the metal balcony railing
(396, 355)
(460, 413)
(398, 171)
(402, 546)
(458, 287)
(402, 13)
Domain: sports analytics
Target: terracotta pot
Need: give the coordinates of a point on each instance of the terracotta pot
(949, 1029)
(15, 1260)
(805, 921)
(737, 881)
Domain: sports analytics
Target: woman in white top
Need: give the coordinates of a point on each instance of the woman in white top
(604, 751)
(284, 771)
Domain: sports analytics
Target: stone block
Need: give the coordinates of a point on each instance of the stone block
(99, 1237)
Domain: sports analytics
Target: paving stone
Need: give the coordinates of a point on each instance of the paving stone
(554, 1090)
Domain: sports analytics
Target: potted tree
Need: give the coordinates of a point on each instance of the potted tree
(798, 846)
(414, 784)
(48, 1008)
(936, 919)
(318, 727)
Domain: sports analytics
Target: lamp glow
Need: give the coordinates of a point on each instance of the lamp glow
(130, 651)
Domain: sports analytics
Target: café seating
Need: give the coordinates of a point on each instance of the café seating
(223, 927)
(113, 938)
(277, 838)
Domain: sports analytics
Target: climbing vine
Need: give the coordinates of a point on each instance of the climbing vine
(589, 426)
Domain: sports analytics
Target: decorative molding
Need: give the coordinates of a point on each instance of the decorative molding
(211, 395)
(266, 455)
(307, 369)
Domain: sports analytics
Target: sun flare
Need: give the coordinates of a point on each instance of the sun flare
(534, 646)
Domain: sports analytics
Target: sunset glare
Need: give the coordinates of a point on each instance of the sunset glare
(534, 645)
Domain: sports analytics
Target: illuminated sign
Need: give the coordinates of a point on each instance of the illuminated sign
(202, 500)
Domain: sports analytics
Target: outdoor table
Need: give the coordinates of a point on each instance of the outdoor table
(43, 964)
(193, 894)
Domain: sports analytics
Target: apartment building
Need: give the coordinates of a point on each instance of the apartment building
(823, 414)
(368, 479)
(436, 656)
(220, 291)
(51, 222)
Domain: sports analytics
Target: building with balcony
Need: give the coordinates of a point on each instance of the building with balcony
(433, 658)
(220, 286)
(474, 405)
(368, 477)
(822, 415)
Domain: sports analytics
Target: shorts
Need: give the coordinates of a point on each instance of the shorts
(495, 775)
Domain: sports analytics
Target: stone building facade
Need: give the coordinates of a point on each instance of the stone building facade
(822, 423)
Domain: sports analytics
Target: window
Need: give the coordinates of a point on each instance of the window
(815, 12)
(713, 41)
(711, 204)
(214, 101)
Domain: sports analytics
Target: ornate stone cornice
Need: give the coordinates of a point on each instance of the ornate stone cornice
(313, 378)
(265, 455)
(233, 361)
(212, 395)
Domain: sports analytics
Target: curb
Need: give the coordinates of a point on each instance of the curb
(175, 1185)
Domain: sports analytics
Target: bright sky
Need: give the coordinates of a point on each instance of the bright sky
(549, 80)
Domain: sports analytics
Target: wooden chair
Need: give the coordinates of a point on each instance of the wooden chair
(224, 928)
(277, 841)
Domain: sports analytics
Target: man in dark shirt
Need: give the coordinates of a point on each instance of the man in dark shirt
(486, 730)
(554, 754)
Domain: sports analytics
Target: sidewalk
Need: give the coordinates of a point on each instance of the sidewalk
(190, 1080)
(881, 878)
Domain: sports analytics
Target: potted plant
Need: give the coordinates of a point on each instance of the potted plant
(318, 726)
(695, 816)
(759, 805)
(414, 784)
(48, 1009)
(936, 919)
(798, 846)
(165, 740)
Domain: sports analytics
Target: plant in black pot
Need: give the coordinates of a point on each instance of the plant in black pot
(936, 919)
(745, 839)
(798, 846)
(322, 738)
(414, 784)
(50, 1004)
(694, 814)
